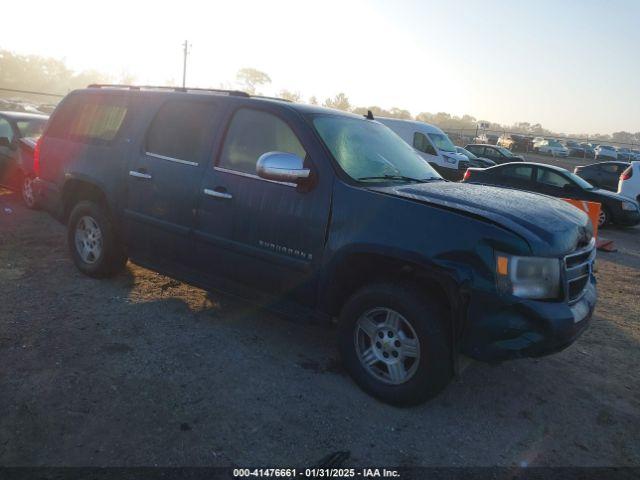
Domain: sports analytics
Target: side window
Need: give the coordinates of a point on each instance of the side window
(475, 150)
(609, 168)
(5, 129)
(420, 142)
(97, 122)
(180, 130)
(490, 152)
(252, 133)
(517, 172)
(551, 178)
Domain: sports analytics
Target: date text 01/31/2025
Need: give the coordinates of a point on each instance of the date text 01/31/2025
(315, 473)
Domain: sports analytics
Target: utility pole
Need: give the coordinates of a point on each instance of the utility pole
(184, 63)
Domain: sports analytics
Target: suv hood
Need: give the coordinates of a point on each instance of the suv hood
(550, 226)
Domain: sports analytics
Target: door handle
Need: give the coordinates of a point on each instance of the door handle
(139, 174)
(215, 193)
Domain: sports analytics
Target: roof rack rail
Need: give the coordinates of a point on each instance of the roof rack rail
(272, 98)
(235, 93)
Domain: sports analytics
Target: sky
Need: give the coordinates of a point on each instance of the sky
(571, 65)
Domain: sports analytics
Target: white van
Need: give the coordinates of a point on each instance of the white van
(432, 144)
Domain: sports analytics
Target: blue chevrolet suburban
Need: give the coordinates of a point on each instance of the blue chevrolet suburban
(321, 214)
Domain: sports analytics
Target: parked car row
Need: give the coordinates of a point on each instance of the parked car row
(324, 214)
(558, 147)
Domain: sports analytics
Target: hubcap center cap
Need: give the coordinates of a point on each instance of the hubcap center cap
(387, 345)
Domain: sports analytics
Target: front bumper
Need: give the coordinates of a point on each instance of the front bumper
(524, 328)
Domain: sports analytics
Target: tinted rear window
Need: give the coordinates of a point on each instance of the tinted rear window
(88, 119)
(181, 130)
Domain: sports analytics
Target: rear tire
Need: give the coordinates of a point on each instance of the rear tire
(28, 192)
(93, 242)
(605, 217)
(394, 342)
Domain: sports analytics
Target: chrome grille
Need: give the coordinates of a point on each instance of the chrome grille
(578, 267)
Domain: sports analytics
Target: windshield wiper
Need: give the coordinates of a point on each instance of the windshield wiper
(398, 177)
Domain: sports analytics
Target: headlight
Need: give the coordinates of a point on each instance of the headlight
(528, 277)
(449, 159)
(630, 206)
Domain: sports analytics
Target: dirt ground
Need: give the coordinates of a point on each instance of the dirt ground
(145, 370)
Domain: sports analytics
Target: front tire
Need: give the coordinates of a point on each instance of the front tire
(394, 342)
(93, 242)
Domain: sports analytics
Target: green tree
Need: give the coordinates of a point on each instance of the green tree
(42, 74)
(250, 78)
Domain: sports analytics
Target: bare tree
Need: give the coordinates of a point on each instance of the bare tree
(339, 102)
(288, 95)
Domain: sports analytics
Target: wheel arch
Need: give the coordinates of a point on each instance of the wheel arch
(352, 269)
(77, 188)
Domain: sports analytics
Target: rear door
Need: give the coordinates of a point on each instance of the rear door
(515, 176)
(164, 177)
(265, 235)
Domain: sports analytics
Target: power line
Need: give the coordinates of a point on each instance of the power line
(31, 93)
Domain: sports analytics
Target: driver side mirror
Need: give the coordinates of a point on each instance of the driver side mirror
(5, 142)
(282, 167)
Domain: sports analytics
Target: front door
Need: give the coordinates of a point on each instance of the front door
(555, 184)
(266, 235)
(164, 177)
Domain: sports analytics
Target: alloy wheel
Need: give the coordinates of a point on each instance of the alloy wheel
(88, 239)
(387, 345)
(602, 218)
(28, 194)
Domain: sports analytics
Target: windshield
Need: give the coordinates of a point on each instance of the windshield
(442, 142)
(582, 183)
(368, 150)
(467, 153)
(31, 128)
